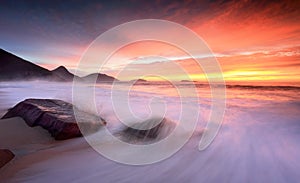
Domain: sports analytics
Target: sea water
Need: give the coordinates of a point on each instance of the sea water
(257, 142)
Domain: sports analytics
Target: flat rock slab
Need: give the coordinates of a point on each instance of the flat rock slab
(5, 156)
(56, 116)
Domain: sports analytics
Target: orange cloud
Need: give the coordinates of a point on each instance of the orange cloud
(253, 40)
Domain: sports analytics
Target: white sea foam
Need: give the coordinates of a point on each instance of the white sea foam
(258, 141)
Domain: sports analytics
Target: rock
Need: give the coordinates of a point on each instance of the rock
(154, 128)
(5, 156)
(56, 116)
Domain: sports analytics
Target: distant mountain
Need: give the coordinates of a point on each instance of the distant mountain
(100, 78)
(188, 81)
(63, 73)
(138, 80)
(14, 68)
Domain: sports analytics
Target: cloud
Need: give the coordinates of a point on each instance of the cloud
(246, 36)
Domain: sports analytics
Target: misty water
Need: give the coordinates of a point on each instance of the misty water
(257, 142)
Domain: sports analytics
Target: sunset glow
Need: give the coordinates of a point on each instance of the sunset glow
(253, 41)
(197, 91)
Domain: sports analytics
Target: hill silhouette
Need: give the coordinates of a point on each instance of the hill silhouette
(14, 68)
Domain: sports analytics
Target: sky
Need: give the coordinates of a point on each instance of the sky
(253, 41)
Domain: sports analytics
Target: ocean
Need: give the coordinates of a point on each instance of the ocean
(258, 140)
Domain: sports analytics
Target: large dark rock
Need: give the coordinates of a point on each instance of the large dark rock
(56, 116)
(5, 156)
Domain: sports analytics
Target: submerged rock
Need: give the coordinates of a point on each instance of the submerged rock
(151, 129)
(5, 156)
(56, 116)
